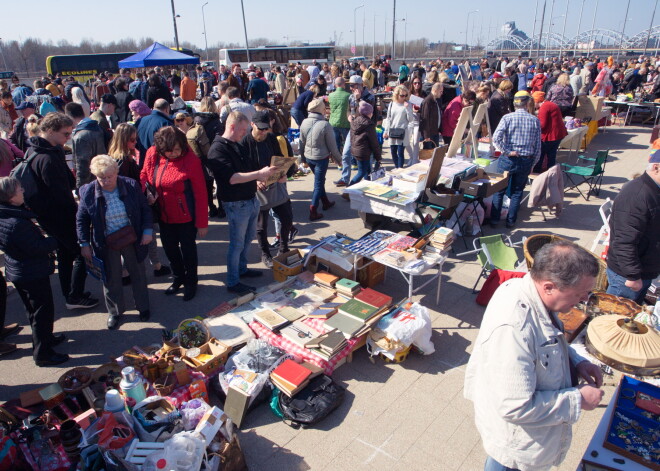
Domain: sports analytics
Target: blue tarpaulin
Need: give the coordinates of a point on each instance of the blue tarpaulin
(157, 54)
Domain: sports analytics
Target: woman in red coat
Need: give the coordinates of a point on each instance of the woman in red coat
(173, 177)
(553, 130)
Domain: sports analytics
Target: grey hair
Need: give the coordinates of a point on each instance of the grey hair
(8, 188)
(103, 164)
(563, 263)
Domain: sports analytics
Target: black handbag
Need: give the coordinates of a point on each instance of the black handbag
(313, 403)
(397, 133)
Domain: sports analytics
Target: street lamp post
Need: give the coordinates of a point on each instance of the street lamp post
(2, 52)
(563, 31)
(373, 52)
(578, 30)
(206, 42)
(247, 46)
(176, 33)
(538, 48)
(355, 26)
(648, 36)
(552, 8)
(590, 48)
(393, 29)
(536, 13)
(467, 27)
(623, 29)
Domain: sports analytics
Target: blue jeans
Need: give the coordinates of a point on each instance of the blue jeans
(397, 155)
(518, 169)
(298, 115)
(346, 158)
(242, 219)
(364, 169)
(492, 465)
(340, 136)
(320, 168)
(617, 287)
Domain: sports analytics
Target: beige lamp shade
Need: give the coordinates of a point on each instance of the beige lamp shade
(624, 340)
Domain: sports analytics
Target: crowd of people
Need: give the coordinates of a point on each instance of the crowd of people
(145, 165)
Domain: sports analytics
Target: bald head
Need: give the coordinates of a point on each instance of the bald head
(161, 105)
(437, 89)
(340, 82)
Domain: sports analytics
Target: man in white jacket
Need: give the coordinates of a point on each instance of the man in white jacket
(522, 376)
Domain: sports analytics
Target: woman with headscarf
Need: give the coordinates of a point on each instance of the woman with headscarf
(139, 109)
(78, 96)
(317, 146)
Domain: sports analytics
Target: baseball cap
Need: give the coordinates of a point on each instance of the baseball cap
(521, 96)
(355, 80)
(655, 157)
(589, 64)
(497, 75)
(25, 105)
(261, 119)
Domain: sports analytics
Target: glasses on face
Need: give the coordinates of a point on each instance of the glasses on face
(403, 95)
(417, 83)
(179, 120)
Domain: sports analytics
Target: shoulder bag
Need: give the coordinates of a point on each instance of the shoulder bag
(394, 133)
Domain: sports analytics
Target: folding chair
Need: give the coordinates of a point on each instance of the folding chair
(592, 175)
(603, 236)
(496, 251)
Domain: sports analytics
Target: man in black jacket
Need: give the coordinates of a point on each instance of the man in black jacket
(633, 259)
(236, 174)
(431, 117)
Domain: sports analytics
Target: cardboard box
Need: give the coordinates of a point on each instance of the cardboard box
(210, 423)
(499, 181)
(444, 200)
(280, 269)
(86, 418)
(217, 350)
(370, 275)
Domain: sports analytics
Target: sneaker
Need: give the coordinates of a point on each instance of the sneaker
(267, 260)
(81, 303)
(162, 271)
(7, 348)
(276, 243)
(292, 234)
(340, 183)
(241, 289)
(250, 273)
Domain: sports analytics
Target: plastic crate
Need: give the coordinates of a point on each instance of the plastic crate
(399, 357)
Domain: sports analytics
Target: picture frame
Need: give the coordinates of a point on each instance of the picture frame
(591, 466)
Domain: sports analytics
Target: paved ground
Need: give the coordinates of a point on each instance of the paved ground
(407, 416)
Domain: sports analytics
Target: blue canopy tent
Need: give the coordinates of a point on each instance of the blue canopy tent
(157, 54)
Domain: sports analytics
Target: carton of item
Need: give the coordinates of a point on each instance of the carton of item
(210, 423)
(212, 354)
(282, 269)
(474, 187)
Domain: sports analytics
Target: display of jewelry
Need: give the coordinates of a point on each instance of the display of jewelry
(634, 429)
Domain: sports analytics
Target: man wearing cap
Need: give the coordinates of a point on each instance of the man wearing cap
(88, 141)
(19, 136)
(236, 174)
(518, 137)
(633, 259)
(261, 145)
(359, 93)
(257, 88)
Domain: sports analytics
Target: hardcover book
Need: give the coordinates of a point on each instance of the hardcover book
(374, 298)
(358, 309)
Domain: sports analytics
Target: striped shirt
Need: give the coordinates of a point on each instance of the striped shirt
(519, 132)
(115, 212)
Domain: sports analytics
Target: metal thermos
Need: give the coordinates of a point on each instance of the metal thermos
(132, 385)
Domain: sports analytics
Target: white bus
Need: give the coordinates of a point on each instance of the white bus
(280, 55)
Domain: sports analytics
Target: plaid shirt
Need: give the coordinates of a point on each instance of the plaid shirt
(519, 132)
(115, 212)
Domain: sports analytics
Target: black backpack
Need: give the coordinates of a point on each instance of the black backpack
(313, 403)
(25, 174)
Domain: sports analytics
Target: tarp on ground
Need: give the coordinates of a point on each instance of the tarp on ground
(157, 54)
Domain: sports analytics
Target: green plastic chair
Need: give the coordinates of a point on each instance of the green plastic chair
(496, 251)
(592, 175)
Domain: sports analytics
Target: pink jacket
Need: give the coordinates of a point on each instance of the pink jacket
(451, 115)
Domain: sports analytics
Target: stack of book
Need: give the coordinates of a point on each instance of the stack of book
(357, 316)
(347, 287)
(442, 238)
(324, 311)
(325, 279)
(270, 319)
(328, 345)
(290, 377)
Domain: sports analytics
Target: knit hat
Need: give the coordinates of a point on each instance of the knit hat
(655, 157)
(140, 107)
(365, 108)
(538, 96)
(317, 105)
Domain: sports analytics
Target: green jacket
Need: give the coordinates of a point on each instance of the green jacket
(339, 109)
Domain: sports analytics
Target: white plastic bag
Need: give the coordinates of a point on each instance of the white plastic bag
(410, 327)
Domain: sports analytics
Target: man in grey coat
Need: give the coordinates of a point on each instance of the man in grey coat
(88, 141)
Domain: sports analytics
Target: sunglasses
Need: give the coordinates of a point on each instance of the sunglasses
(403, 95)
(179, 120)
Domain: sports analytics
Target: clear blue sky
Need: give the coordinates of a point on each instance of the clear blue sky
(308, 21)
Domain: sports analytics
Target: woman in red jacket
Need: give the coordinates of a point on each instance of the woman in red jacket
(172, 176)
(553, 130)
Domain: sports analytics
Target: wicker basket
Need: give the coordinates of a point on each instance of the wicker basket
(205, 335)
(535, 242)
